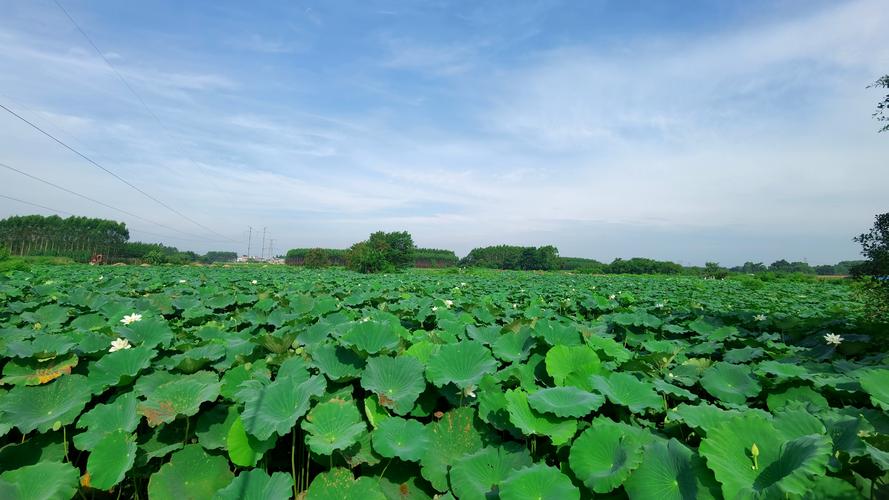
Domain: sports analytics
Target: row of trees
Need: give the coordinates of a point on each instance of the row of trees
(80, 238)
(782, 266)
(74, 237)
(543, 258)
(325, 257)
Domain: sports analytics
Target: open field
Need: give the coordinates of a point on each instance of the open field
(262, 382)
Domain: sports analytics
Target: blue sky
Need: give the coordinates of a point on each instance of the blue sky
(689, 131)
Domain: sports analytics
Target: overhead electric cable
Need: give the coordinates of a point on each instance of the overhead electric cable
(121, 179)
(85, 197)
(36, 205)
(126, 84)
(63, 212)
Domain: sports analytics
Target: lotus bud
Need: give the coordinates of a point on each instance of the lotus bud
(754, 451)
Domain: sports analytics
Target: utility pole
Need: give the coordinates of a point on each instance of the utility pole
(262, 248)
(271, 248)
(249, 236)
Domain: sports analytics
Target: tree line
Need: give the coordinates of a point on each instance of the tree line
(81, 238)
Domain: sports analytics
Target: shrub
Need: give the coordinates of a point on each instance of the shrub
(382, 252)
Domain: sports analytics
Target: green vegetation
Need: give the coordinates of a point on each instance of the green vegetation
(513, 257)
(382, 252)
(266, 382)
(883, 106)
(78, 238)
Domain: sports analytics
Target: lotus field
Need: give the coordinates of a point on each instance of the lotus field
(271, 382)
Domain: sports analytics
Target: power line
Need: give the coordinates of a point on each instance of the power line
(63, 212)
(85, 197)
(121, 179)
(36, 205)
(119, 76)
(126, 83)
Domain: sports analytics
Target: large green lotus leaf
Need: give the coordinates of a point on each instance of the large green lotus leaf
(337, 362)
(492, 404)
(397, 437)
(462, 363)
(797, 422)
(730, 383)
(245, 450)
(181, 396)
(234, 377)
(44, 345)
(119, 415)
(40, 407)
(671, 471)
(191, 474)
(565, 401)
(832, 488)
(255, 484)
(371, 336)
(555, 333)
(673, 390)
(475, 475)
(119, 366)
(49, 315)
(37, 371)
(572, 365)
(560, 430)
(397, 382)
(48, 447)
(110, 459)
(876, 384)
(334, 425)
(605, 454)
(794, 396)
(782, 466)
(702, 416)
(340, 484)
(41, 481)
(296, 369)
(782, 371)
(149, 332)
(626, 390)
(455, 434)
(514, 347)
(538, 482)
(213, 426)
(277, 406)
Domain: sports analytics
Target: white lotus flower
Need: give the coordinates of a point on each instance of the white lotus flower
(449, 303)
(182, 281)
(434, 308)
(364, 320)
(462, 284)
(760, 317)
(515, 306)
(131, 318)
(469, 391)
(254, 282)
(659, 305)
(119, 344)
(833, 339)
(612, 297)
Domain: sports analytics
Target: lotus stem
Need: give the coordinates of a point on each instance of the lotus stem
(65, 441)
(293, 463)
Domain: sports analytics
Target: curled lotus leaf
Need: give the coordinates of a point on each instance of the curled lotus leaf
(397, 437)
(605, 454)
(751, 457)
(567, 401)
(462, 363)
(397, 382)
(730, 383)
